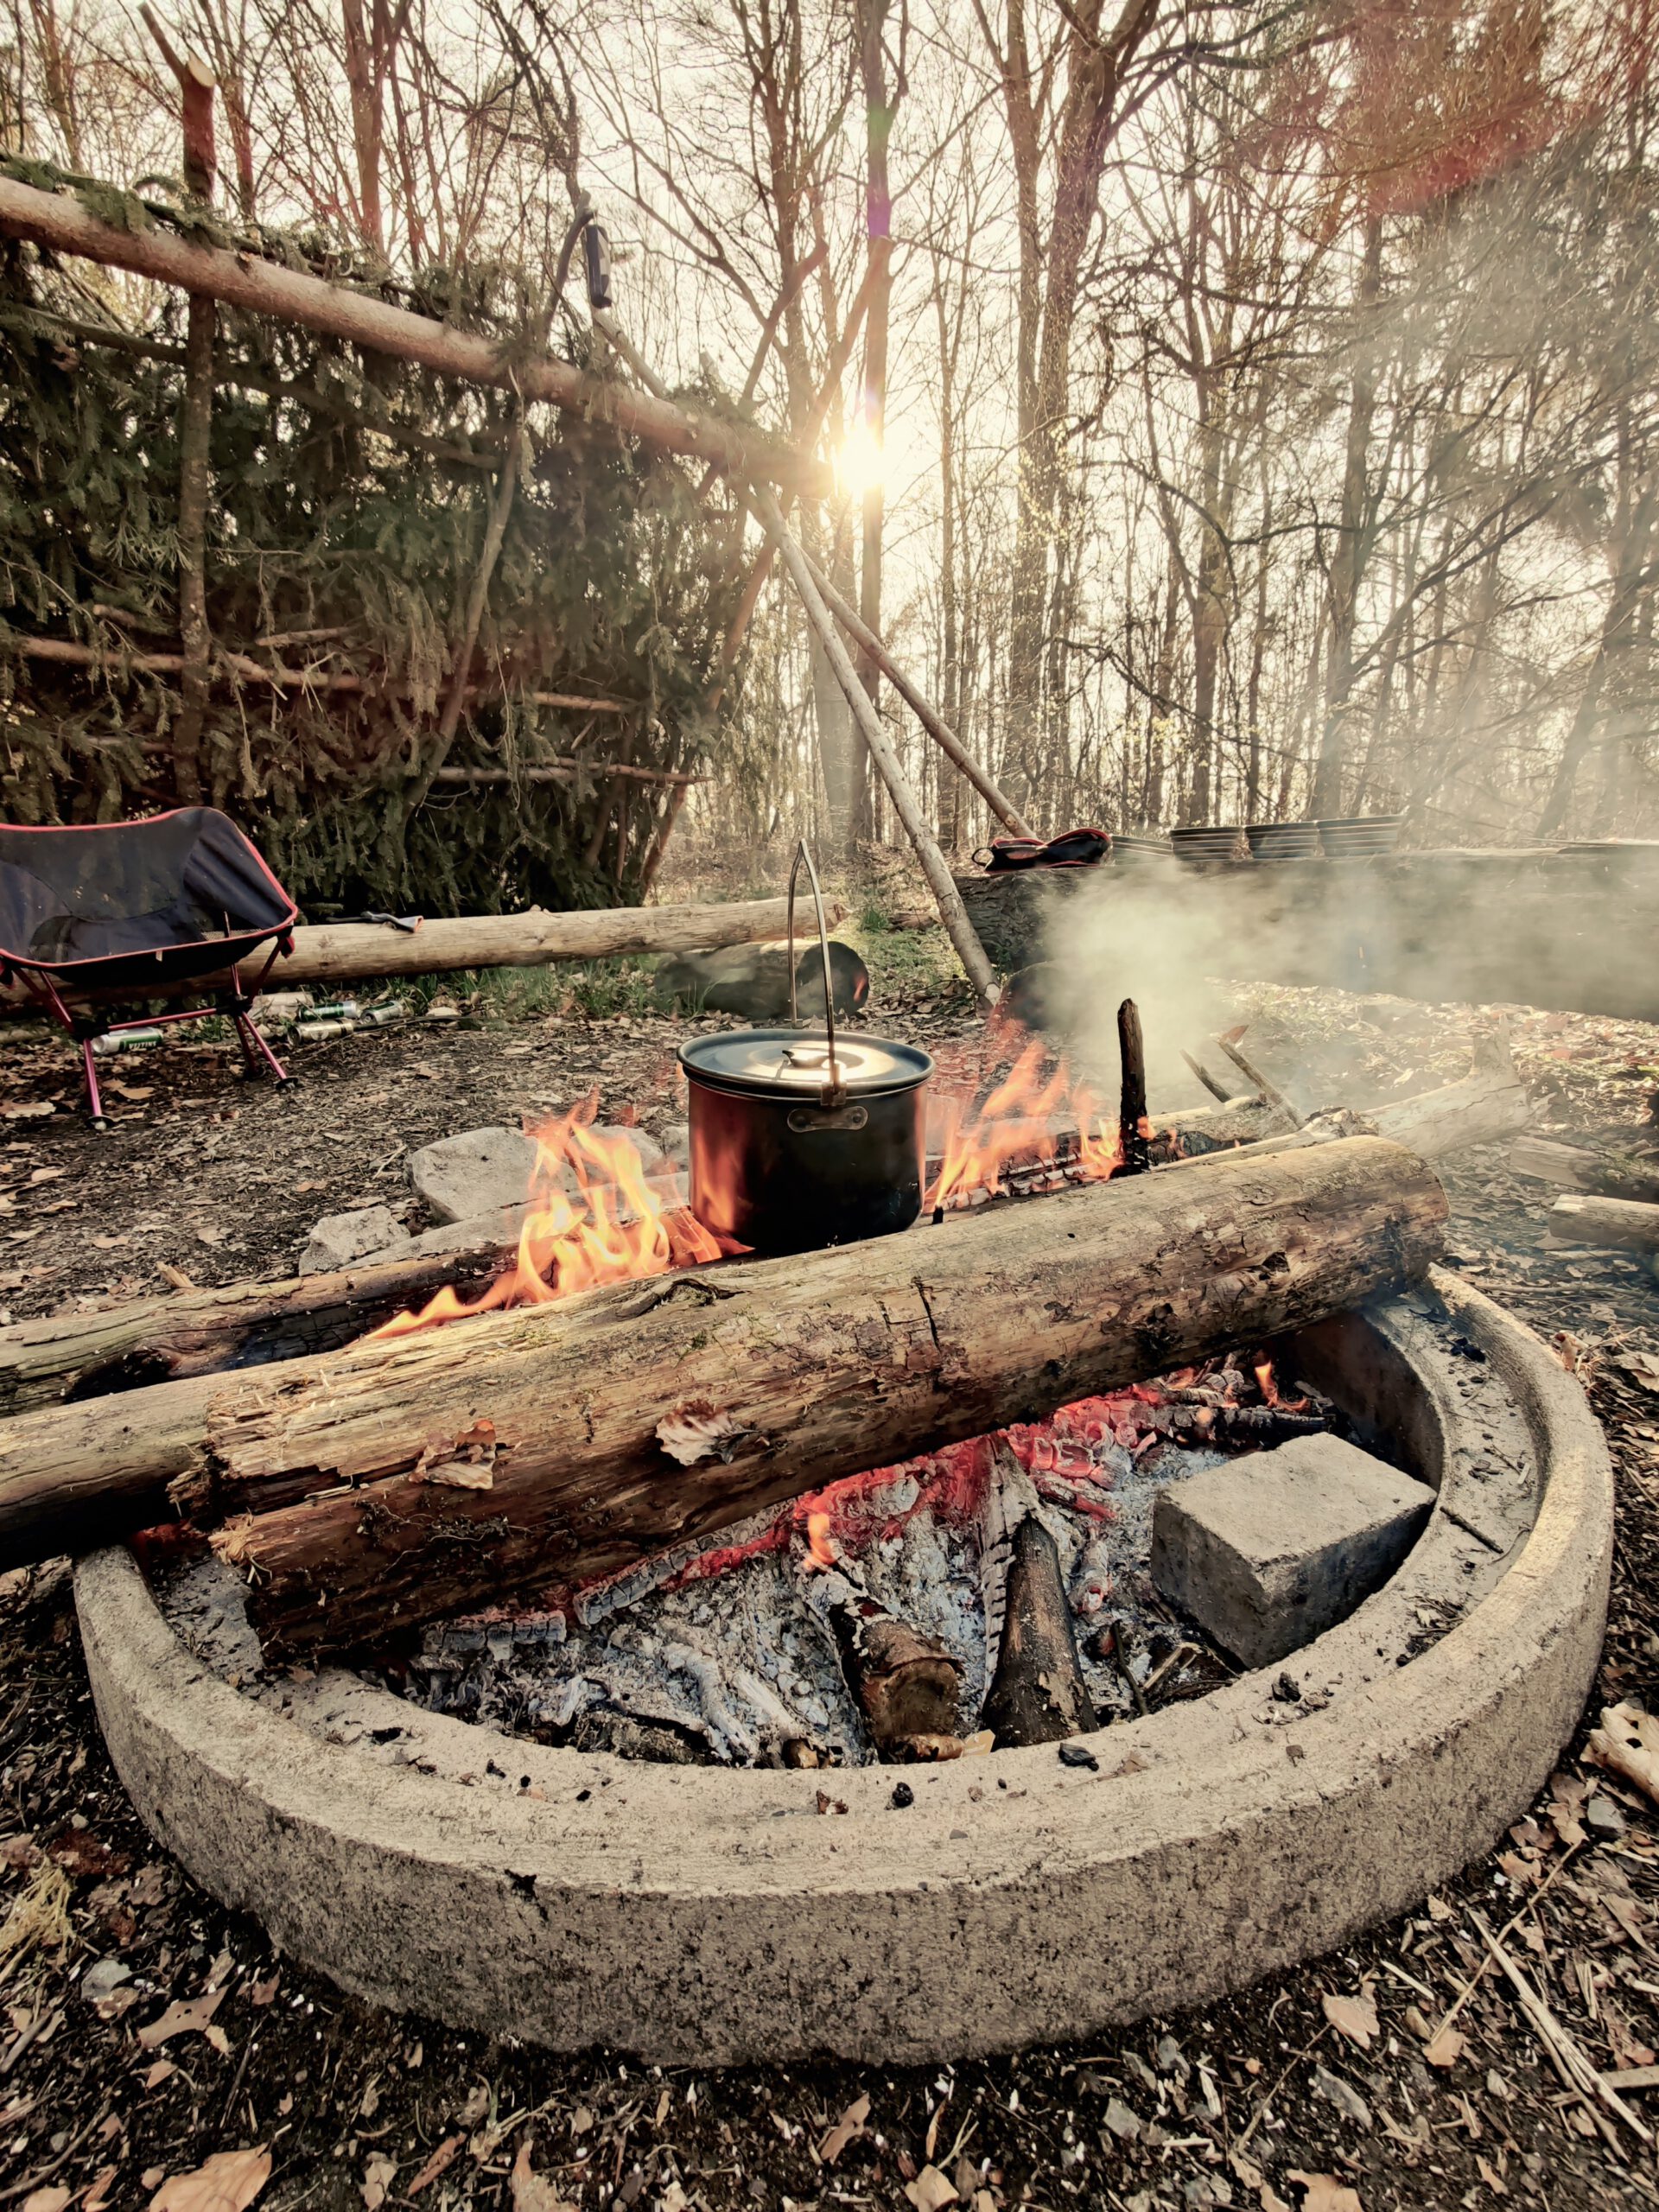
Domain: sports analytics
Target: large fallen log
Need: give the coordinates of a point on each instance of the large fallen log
(391, 1481)
(350, 952)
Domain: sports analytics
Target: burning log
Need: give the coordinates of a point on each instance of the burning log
(403, 1478)
(1608, 1224)
(1038, 1695)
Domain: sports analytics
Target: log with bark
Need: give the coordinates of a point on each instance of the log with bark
(245, 280)
(1576, 1167)
(72, 1357)
(1608, 1224)
(906, 1685)
(1037, 1693)
(388, 1484)
(349, 952)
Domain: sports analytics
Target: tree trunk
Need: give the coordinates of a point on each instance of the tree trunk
(1353, 533)
(71, 1358)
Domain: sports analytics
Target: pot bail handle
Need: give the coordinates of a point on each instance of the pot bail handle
(831, 1093)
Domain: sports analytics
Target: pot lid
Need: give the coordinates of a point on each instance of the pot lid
(788, 1061)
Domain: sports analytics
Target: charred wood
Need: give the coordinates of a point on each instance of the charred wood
(906, 1684)
(1038, 1695)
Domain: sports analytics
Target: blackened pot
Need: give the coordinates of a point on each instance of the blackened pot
(784, 1158)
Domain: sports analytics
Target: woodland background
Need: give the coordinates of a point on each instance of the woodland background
(1239, 411)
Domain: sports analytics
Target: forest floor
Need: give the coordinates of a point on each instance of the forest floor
(147, 2030)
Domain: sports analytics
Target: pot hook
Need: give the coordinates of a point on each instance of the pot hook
(831, 1094)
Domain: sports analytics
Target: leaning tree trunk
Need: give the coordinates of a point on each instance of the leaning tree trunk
(393, 1482)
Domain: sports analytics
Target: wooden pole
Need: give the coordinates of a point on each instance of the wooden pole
(952, 913)
(58, 219)
(197, 84)
(936, 727)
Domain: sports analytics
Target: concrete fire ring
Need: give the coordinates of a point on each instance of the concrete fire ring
(712, 1914)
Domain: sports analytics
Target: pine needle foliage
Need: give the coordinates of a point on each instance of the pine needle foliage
(350, 493)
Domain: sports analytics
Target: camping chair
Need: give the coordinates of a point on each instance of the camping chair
(134, 909)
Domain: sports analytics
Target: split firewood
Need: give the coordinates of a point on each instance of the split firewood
(70, 1357)
(1575, 1168)
(1607, 1224)
(1490, 1104)
(906, 1685)
(395, 1481)
(1038, 1695)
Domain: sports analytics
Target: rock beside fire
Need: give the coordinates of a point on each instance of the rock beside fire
(1268, 1553)
(477, 1172)
(340, 1238)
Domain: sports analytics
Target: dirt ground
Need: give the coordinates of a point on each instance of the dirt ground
(147, 2032)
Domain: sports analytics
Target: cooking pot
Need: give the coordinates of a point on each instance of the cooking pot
(799, 1138)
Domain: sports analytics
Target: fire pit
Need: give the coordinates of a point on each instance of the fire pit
(725, 1914)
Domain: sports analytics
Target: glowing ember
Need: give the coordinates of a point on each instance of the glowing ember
(1015, 1125)
(595, 1217)
(820, 1551)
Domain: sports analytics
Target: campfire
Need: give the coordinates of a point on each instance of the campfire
(865, 1621)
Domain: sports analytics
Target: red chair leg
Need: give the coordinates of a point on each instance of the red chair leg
(90, 1069)
(256, 1050)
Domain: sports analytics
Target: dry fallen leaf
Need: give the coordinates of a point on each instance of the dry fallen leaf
(1324, 2193)
(97, 2196)
(1353, 2017)
(850, 2124)
(1627, 1742)
(1446, 2048)
(378, 2177)
(930, 2191)
(47, 2200)
(698, 1430)
(228, 2183)
(188, 2016)
(162, 2070)
(533, 2192)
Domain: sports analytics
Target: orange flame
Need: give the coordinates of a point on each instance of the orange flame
(1015, 1125)
(596, 1216)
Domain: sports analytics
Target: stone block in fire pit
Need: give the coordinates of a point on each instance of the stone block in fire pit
(1270, 1551)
